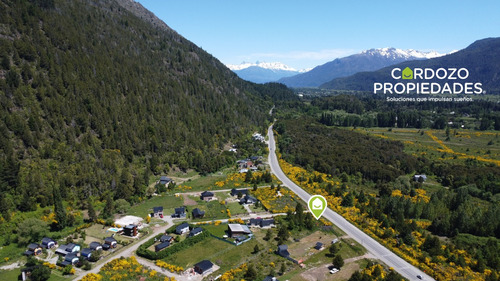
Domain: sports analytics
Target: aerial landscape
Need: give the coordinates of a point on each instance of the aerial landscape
(203, 140)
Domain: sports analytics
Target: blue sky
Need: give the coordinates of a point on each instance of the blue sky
(304, 34)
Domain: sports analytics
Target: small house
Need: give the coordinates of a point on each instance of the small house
(95, 246)
(48, 243)
(255, 222)
(267, 223)
(420, 178)
(248, 199)
(234, 229)
(157, 212)
(162, 246)
(235, 192)
(203, 267)
(166, 238)
(197, 213)
(73, 248)
(70, 259)
(283, 251)
(195, 231)
(86, 252)
(61, 250)
(130, 230)
(182, 228)
(109, 243)
(34, 249)
(207, 196)
(318, 246)
(165, 180)
(179, 212)
(270, 278)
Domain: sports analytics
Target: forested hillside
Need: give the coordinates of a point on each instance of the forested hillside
(94, 98)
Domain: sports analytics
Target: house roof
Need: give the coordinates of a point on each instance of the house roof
(318, 245)
(235, 191)
(165, 178)
(180, 210)
(234, 227)
(70, 257)
(207, 194)
(204, 265)
(270, 278)
(182, 226)
(198, 212)
(130, 226)
(283, 251)
(164, 238)
(94, 245)
(267, 222)
(86, 251)
(47, 240)
(109, 239)
(162, 245)
(256, 221)
(33, 246)
(157, 209)
(196, 230)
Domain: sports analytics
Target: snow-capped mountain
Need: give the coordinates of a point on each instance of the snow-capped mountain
(262, 72)
(399, 53)
(369, 60)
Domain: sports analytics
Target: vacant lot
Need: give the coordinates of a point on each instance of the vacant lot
(168, 202)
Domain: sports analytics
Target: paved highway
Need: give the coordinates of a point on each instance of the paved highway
(401, 266)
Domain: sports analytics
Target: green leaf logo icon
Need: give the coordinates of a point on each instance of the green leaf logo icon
(407, 73)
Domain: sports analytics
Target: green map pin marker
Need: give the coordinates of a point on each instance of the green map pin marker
(317, 205)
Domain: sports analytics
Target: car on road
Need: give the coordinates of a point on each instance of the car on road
(419, 277)
(334, 270)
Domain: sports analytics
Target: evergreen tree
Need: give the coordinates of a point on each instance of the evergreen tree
(338, 261)
(59, 209)
(91, 211)
(108, 207)
(251, 273)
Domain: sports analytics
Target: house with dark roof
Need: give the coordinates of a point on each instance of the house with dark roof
(234, 229)
(157, 212)
(165, 180)
(70, 259)
(166, 238)
(34, 249)
(63, 249)
(267, 223)
(283, 251)
(48, 243)
(130, 230)
(270, 278)
(195, 231)
(179, 212)
(318, 246)
(203, 267)
(248, 199)
(86, 252)
(235, 192)
(162, 246)
(207, 196)
(197, 213)
(109, 243)
(95, 246)
(182, 228)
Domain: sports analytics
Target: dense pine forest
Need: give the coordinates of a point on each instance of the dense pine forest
(95, 100)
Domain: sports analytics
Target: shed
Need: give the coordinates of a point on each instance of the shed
(318, 246)
(283, 251)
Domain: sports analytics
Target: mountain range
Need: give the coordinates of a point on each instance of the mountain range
(368, 60)
(263, 72)
(481, 59)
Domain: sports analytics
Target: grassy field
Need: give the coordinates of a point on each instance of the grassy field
(13, 274)
(168, 202)
(458, 146)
